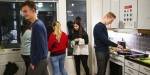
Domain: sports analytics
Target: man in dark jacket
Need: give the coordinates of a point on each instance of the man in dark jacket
(102, 42)
(39, 46)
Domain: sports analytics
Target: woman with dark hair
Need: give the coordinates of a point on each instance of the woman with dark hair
(79, 41)
(25, 44)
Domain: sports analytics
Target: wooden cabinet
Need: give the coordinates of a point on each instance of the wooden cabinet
(131, 14)
(134, 14)
(128, 14)
(132, 68)
(132, 65)
(106, 6)
(114, 7)
(143, 14)
(144, 70)
(130, 71)
(141, 74)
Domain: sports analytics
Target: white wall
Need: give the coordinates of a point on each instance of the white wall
(61, 14)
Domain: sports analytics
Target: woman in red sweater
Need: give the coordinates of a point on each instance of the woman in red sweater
(57, 44)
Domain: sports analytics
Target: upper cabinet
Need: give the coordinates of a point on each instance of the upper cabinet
(131, 14)
(114, 7)
(106, 6)
(128, 14)
(143, 14)
(134, 14)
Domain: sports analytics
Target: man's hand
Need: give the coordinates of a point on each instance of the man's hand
(120, 47)
(32, 66)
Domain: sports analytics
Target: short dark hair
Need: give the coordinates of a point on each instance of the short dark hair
(30, 4)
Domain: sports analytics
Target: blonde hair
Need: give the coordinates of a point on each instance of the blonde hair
(57, 30)
(111, 15)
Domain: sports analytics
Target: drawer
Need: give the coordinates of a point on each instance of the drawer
(131, 71)
(145, 70)
(127, 74)
(141, 74)
(132, 65)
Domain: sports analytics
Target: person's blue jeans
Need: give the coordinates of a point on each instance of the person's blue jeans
(58, 64)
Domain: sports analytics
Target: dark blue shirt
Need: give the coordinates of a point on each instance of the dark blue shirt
(101, 39)
(39, 46)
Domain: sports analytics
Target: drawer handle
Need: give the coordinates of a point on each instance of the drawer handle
(130, 70)
(130, 63)
(147, 70)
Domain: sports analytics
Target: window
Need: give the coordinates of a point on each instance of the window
(75, 8)
(11, 21)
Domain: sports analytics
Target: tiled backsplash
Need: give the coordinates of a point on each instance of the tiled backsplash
(132, 41)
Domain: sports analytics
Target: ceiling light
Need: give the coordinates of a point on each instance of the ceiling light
(72, 4)
(40, 5)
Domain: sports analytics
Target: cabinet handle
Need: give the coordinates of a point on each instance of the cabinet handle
(130, 70)
(130, 63)
(127, 74)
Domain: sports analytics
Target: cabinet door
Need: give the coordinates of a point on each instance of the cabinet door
(106, 6)
(115, 9)
(143, 14)
(145, 70)
(130, 71)
(128, 14)
(132, 65)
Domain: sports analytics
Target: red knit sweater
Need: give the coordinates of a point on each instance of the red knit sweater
(55, 47)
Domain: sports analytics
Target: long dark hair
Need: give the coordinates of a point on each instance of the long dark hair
(81, 30)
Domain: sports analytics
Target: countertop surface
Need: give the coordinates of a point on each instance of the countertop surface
(142, 60)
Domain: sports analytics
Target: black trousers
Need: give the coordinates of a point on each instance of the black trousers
(83, 59)
(102, 59)
(27, 61)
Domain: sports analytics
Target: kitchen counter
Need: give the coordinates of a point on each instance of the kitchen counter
(130, 62)
(143, 61)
